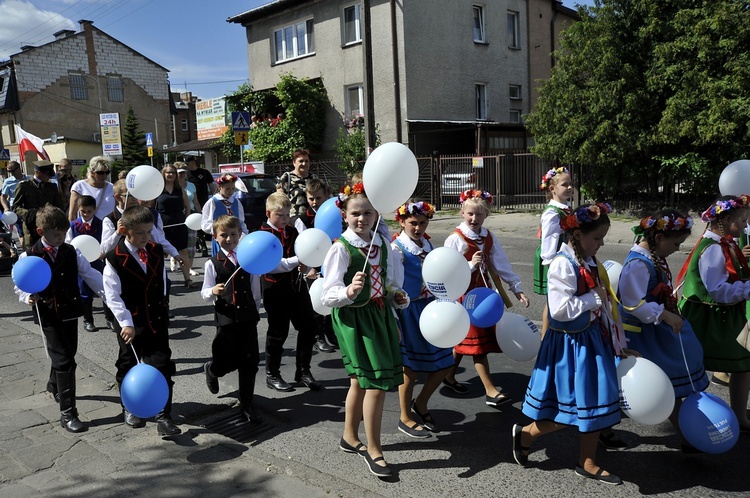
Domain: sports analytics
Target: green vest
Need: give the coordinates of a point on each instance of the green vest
(694, 288)
(357, 262)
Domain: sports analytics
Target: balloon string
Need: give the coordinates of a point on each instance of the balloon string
(175, 225)
(372, 240)
(44, 337)
(232, 276)
(480, 269)
(127, 193)
(684, 359)
(134, 353)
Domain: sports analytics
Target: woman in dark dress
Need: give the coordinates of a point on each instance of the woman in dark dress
(172, 205)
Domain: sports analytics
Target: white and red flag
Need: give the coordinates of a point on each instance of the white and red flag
(28, 142)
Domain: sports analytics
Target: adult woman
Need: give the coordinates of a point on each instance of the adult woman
(293, 183)
(97, 185)
(172, 204)
(189, 189)
(64, 183)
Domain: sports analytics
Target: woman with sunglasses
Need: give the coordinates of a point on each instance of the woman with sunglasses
(97, 185)
(65, 181)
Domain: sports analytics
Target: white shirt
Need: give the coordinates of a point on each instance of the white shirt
(633, 289)
(113, 288)
(551, 231)
(411, 247)
(286, 264)
(110, 237)
(336, 265)
(498, 261)
(209, 208)
(714, 274)
(209, 281)
(105, 205)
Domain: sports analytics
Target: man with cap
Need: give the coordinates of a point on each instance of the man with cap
(34, 194)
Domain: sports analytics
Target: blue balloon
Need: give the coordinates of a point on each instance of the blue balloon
(259, 252)
(485, 306)
(328, 218)
(708, 423)
(144, 391)
(31, 274)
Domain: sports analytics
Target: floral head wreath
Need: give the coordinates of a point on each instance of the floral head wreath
(722, 206)
(413, 209)
(348, 191)
(550, 174)
(663, 224)
(584, 215)
(226, 178)
(475, 194)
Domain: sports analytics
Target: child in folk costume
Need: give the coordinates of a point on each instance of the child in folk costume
(574, 381)
(358, 285)
(485, 257)
(652, 323)
(714, 297)
(558, 185)
(410, 247)
(222, 202)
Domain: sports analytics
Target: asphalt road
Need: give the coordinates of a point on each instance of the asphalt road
(470, 457)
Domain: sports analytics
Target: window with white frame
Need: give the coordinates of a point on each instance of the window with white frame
(78, 88)
(114, 89)
(352, 24)
(513, 35)
(294, 41)
(479, 34)
(184, 125)
(515, 116)
(480, 98)
(514, 92)
(355, 101)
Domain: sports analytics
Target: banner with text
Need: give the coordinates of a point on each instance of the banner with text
(211, 115)
(110, 129)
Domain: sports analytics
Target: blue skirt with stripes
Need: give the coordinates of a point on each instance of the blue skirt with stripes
(418, 354)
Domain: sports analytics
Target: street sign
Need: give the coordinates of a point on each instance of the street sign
(149, 139)
(109, 127)
(150, 151)
(4, 154)
(240, 121)
(240, 138)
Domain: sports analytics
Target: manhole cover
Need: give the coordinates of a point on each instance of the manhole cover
(236, 427)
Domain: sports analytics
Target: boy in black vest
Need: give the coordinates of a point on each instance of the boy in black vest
(235, 346)
(59, 306)
(136, 290)
(285, 298)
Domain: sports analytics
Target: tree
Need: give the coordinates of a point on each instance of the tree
(134, 150)
(646, 92)
(350, 147)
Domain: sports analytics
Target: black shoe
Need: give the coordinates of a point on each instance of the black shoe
(376, 469)
(610, 479)
(211, 381)
(496, 400)
(276, 382)
(110, 325)
(520, 452)
(611, 441)
(360, 449)
(322, 345)
(425, 419)
(165, 427)
(413, 431)
(251, 414)
(70, 422)
(459, 388)
(89, 326)
(132, 421)
(306, 378)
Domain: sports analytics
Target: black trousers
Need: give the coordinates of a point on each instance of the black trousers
(284, 305)
(235, 347)
(153, 349)
(62, 346)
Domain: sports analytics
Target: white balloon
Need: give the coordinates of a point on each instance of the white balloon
(613, 272)
(316, 291)
(518, 337)
(240, 185)
(193, 221)
(390, 176)
(144, 182)
(88, 246)
(9, 217)
(646, 394)
(446, 273)
(735, 178)
(444, 323)
(312, 246)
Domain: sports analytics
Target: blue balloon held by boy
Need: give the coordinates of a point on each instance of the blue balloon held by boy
(328, 218)
(144, 391)
(31, 274)
(485, 306)
(708, 423)
(259, 252)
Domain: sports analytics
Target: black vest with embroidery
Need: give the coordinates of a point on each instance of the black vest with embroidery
(238, 304)
(142, 293)
(307, 217)
(290, 278)
(61, 300)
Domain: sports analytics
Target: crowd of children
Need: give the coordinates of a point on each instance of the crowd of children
(374, 286)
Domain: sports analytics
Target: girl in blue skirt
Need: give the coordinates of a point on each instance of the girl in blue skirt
(574, 382)
(652, 323)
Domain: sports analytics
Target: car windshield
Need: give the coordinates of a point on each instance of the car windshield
(260, 184)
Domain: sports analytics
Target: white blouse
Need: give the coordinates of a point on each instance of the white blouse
(551, 231)
(562, 284)
(498, 261)
(633, 289)
(207, 213)
(715, 277)
(105, 205)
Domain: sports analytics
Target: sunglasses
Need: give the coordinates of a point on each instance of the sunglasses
(105, 172)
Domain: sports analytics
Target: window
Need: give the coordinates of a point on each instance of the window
(515, 116)
(479, 36)
(184, 125)
(355, 101)
(78, 88)
(352, 24)
(114, 89)
(514, 92)
(480, 91)
(294, 41)
(513, 41)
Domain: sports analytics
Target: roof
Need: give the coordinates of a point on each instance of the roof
(205, 144)
(272, 7)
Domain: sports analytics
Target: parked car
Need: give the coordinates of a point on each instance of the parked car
(252, 191)
(456, 179)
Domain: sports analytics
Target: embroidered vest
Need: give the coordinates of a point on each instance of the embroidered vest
(476, 276)
(357, 262)
(694, 289)
(413, 284)
(238, 304)
(78, 227)
(582, 321)
(287, 238)
(61, 300)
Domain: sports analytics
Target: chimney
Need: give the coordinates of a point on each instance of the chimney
(84, 23)
(24, 48)
(63, 33)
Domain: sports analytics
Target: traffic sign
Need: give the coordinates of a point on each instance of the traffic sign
(149, 139)
(240, 121)
(4, 154)
(150, 151)
(240, 137)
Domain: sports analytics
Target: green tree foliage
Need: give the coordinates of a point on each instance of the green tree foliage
(647, 92)
(134, 150)
(350, 149)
